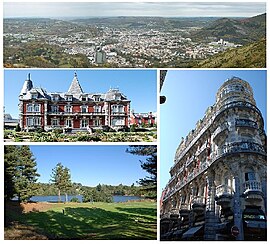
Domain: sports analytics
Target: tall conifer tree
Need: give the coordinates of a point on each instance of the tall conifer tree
(150, 166)
(61, 178)
(20, 172)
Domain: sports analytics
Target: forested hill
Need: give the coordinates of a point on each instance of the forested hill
(240, 31)
(46, 189)
(248, 56)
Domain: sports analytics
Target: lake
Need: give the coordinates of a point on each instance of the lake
(80, 197)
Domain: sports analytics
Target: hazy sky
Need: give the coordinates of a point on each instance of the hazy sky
(90, 9)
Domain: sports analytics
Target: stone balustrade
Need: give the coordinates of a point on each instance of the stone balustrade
(252, 185)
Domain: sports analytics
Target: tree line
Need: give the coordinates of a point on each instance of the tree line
(21, 178)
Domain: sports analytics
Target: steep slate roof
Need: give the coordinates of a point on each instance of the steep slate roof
(27, 86)
(75, 90)
(75, 87)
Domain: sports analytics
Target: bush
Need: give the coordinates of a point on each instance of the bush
(40, 130)
(74, 199)
(133, 128)
(57, 131)
(18, 128)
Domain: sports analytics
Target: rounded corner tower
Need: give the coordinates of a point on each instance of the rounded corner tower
(218, 179)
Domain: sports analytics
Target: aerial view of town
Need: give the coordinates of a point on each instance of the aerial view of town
(123, 40)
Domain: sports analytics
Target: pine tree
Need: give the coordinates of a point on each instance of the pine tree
(10, 162)
(150, 166)
(61, 178)
(26, 175)
(20, 173)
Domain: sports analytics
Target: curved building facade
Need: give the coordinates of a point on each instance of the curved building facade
(217, 189)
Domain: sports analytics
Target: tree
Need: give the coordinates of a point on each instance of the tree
(61, 178)
(20, 173)
(10, 162)
(150, 166)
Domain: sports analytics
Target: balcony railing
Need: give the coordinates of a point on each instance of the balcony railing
(246, 123)
(252, 185)
(206, 124)
(198, 200)
(119, 113)
(165, 216)
(184, 206)
(235, 147)
(224, 190)
(76, 113)
(243, 146)
(190, 160)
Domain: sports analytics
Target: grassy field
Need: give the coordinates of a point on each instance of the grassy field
(99, 221)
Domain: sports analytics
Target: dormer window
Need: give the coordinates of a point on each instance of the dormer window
(117, 97)
(34, 95)
(84, 98)
(96, 98)
(69, 98)
(55, 97)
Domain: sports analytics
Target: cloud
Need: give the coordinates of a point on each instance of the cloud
(93, 9)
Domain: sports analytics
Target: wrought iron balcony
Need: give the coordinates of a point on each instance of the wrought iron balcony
(190, 160)
(246, 123)
(206, 124)
(235, 147)
(243, 146)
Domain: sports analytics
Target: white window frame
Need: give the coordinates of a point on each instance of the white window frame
(96, 98)
(55, 97)
(68, 109)
(29, 107)
(69, 98)
(54, 108)
(34, 95)
(53, 122)
(84, 123)
(36, 108)
(84, 98)
(69, 123)
(84, 107)
(96, 122)
(33, 121)
(118, 121)
(97, 109)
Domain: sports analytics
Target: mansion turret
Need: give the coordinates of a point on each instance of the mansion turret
(74, 109)
(217, 189)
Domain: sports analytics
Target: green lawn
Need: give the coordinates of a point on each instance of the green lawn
(101, 221)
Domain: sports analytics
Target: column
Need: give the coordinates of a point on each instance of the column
(210, 217)
(237, 208)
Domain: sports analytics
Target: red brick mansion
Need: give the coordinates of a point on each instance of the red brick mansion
(74, 109)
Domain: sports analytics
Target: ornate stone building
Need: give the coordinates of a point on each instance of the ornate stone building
(217, 189)
(74, 109)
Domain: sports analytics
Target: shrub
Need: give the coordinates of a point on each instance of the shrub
(74, 199)
(57, 131)
(18, 128)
